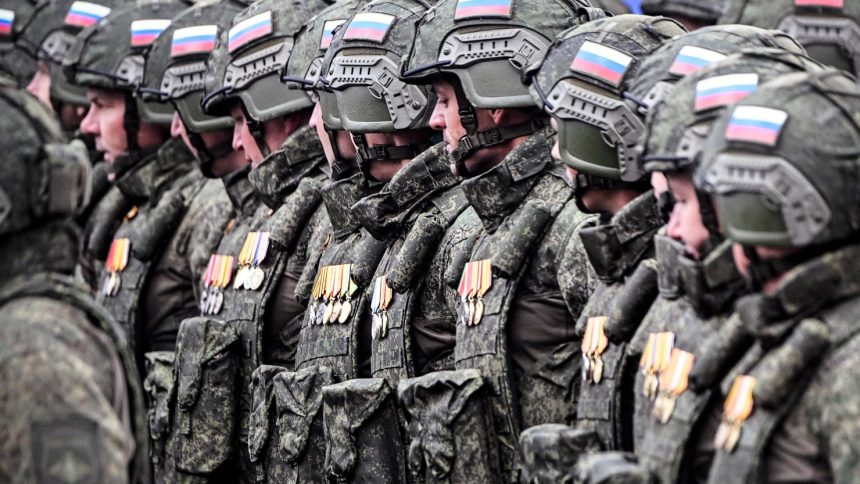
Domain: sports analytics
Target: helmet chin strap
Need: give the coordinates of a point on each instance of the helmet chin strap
(761, 270)
(208, 156)
(257, 130)
(341, 167)
(583, 182)
(475, 140)
(367, 153)
(131, 123)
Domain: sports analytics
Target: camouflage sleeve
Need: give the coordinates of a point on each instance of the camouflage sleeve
(576, 277)
(838, 411)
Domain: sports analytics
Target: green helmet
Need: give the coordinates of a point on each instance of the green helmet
(828, 29)
(702, 11)
(43, 178)
(249, 57)
(175, 67)
(771, 185)
(14, 62)
(109, 54)
(582, 82)
(304, 68)
(615, 7)
(361, 68)
(686, 54)
(50, 33)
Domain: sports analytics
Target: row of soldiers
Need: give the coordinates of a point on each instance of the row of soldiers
(413, 241)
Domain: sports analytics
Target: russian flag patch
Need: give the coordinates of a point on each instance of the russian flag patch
(483, 8)
(199, 39)
(755, 124)
(724, 90)
(369, 26)
(7, 21)
(328, 32)
(820, 3)
(144, 32)
(249, 29)
(601, 62)
(84, 14)
(691, 58)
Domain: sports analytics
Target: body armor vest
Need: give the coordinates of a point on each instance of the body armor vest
(619, 253)
(517, 202)
(793, 341)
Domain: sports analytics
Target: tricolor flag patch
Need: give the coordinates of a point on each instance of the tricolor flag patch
(7, 21)
(249, 29)
(756, 124)
(84, 14)
(724, 90)
(820, 3)
(199, 39)
(483, 8)
(691, 59)
(328, 32)
(601, 62)
(369, 26)
(144, 32)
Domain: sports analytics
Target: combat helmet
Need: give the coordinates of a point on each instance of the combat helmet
(304, 68)
(50, 33)
(828, 29)
(361, 70)
(582, 82)
(14, 62)
(487, 46)
(771, 185)
(175, 67)
(248, 59)
(43, 178)
(702, 12)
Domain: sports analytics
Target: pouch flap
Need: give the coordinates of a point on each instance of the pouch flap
(298, 396)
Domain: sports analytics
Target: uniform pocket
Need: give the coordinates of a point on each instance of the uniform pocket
(207, 369)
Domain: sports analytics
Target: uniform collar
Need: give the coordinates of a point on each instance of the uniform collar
(240, 190)
(280, 173)
(339, 197)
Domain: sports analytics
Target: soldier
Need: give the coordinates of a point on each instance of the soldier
(171, 62)
(511, 313)
(692, 14)
(70, 402)
(250, 316)
(828, 29)
(573, 81)
(790, 207)
(686, 335)
(15, 63)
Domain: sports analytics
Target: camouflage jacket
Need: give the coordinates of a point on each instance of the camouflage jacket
(415, 213)
(621, 251)
(71, 406)
(805, 410)
(528, 217)
(252, 324)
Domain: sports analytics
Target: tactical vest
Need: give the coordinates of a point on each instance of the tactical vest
(241, 314)
(62, 288)
(518, 202)
(715, 341)
(619, 252)
(799, 344)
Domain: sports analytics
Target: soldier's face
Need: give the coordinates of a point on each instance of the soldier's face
(40, 84)
(384, 170)
(105, 122)
(223, 165)
(685, 223)
(446, 114)
(243, 140)
(344, 142)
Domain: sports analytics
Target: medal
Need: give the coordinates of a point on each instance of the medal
(337, 289)
(207, 284)
(244, 260)
(345, 295)
(464, 289)
(225, 272)
(594, 343)
(655, 359)
(736, 410)
(257, 276)
(115, 263)
(384, 302)
(316, 295)
(329, 293)
(673, 382)
(375, 310)
(485, 280)
(131, 214)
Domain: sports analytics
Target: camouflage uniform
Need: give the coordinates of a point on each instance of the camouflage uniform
(792, 413)
(465, 422)
(71, 402)
(214, 434)
(704, 13)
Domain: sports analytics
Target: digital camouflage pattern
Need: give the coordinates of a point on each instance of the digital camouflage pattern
(828, 30)
(704, 12)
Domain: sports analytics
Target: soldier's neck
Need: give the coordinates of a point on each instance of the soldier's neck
(51, 247)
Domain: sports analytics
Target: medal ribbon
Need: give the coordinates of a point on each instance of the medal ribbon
(344, 280)
(117, 259)
(475, 279)
(246, 249)
(665, 344)
(226, 271)
(674, 380)
(377, 295)
(110, 262)
(486, 277)
(465, 281)
(739, 403)
(649, 354)
(337, 280)
(261, 248)
(327, 283)
(597, 341)
(210, 269)
(387, 293)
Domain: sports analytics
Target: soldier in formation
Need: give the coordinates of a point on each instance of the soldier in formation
(418, 241)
